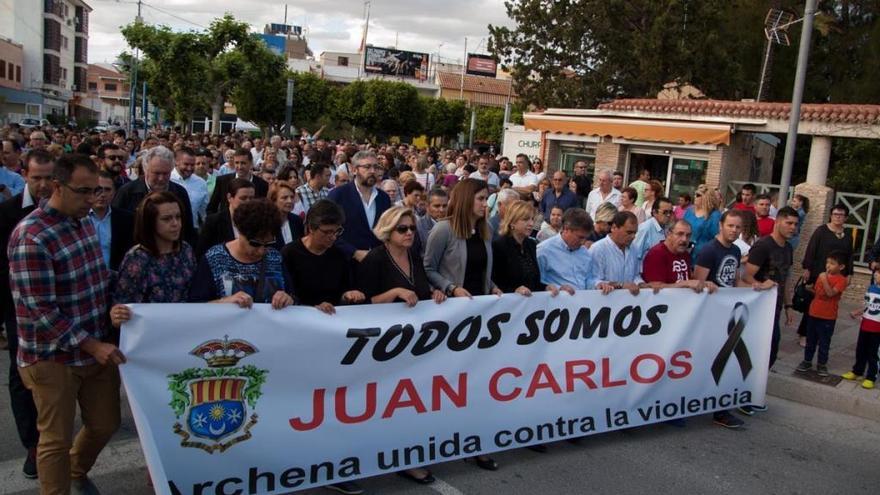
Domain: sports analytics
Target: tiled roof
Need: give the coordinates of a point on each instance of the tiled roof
(810, 112)
(476, 84)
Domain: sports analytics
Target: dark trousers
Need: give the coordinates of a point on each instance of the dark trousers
(774, 344)
(819, 332)
(23, 409)
(866, 354)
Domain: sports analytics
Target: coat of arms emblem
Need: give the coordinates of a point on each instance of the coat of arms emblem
(214, 401)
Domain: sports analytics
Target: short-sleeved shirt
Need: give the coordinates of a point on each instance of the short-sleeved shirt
(220, 275)
(823, 305)
(722, 263)
(773, 261)
(871, 316)
(662, 265)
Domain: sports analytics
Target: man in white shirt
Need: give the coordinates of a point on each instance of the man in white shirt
(602, 194)
(524, 181)
(196, 187)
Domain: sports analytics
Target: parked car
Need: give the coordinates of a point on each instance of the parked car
(31, 123)
(102, 126)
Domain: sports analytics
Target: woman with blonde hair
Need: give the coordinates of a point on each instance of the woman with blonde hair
(515, 267)
(704, 216)
(283, 195)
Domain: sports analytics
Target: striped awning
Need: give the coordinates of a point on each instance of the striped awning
(673, 132)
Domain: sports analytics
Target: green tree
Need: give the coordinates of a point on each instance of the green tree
(856, 166)
(193, 71)
(443, 118)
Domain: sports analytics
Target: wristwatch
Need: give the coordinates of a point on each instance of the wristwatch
(450, 289)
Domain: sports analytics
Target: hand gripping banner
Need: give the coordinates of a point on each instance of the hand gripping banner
(230, 400)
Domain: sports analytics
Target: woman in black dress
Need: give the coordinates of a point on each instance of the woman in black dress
(391, 272)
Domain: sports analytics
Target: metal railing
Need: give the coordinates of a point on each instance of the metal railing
(864, 220)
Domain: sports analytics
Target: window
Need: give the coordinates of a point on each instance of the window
(110, 87)
(93, 86)
(3, 69)
(17, 73)
(64, 42)
(63, 73)
(343, 61)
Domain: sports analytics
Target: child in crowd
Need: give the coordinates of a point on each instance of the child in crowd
(869, 336)
(823, 313)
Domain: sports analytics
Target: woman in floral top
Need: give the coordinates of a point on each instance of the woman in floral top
(158, 269)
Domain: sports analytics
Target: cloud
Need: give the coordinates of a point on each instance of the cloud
(331, 26)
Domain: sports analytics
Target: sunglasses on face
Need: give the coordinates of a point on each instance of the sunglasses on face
(258, 244)
(402, 229)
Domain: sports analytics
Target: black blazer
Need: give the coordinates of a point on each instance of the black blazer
(121, 236)
(218, 198)
(11, 213)
(508, 265)
(129, 196)
(297, 231)
(216, 230)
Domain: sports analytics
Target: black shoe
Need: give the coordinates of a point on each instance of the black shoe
(822, 370)
(83, 486)
(488, 463)
(804, 367)
(539, 448)
(426, 480)
(346, 487)
(747, 410)
(30, 465)
(727, 420)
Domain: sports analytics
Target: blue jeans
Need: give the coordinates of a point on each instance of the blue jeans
(819, 334)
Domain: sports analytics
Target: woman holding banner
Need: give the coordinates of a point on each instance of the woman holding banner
(391, 272)
(248, 269)
(458, 255)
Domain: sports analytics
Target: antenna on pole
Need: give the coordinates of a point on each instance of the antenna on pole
(776, 26)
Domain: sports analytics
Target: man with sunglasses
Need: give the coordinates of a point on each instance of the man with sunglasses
(60, 285)
(653, 231)
(113, 160)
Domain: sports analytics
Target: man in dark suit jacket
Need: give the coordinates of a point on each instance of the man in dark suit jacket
(38, 177)
(218, 228)
(158, 164)
(357, 239)
(243, 163)
(121, 230)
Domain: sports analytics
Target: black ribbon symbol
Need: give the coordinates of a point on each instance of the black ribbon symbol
(734, 345)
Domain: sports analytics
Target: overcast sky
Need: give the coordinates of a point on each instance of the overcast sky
(335, 25)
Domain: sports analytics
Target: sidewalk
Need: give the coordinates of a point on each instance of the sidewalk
(845, 397)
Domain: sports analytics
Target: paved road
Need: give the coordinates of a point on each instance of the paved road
(791, 449)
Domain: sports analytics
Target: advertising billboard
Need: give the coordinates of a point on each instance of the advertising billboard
(481, 65)
(275, 43)
(392, 62)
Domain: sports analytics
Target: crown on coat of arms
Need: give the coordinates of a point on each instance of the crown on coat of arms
(223, 353)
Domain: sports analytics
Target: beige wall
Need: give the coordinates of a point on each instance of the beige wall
(12, 57)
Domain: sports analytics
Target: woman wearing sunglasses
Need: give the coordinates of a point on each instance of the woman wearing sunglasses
(247, 269)
(391, 272)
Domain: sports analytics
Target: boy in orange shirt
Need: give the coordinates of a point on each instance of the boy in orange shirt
(823, 313)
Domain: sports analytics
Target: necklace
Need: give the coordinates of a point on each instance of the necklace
(409, 278)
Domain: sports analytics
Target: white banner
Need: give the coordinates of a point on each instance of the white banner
(266, 401)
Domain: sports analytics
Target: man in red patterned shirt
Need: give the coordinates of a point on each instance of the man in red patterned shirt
(668, 264)
(60, 286)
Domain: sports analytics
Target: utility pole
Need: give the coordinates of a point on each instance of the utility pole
(794, 116)
(288, 112)
(463, 63)
(132, 101)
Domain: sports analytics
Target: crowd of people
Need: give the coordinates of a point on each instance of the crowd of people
(95, 222)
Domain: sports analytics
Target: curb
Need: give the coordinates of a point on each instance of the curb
(846, 397)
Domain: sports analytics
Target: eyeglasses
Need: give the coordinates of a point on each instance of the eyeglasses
(115, 158)
(258, 244)
(335, 232)
(402, 229)
(665, 212)
(84, 191)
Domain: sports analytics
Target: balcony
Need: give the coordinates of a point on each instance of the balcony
(54, 7)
